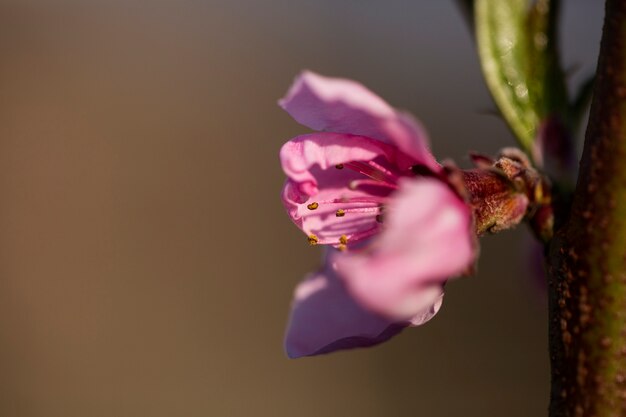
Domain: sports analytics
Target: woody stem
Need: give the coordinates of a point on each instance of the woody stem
(587, 257)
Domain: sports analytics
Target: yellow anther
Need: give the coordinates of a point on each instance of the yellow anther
(313, 240)
(312, 206)
(340, 213)
(339, 166)
(343, 239)
(342, 247)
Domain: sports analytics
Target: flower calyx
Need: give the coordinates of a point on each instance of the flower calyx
(506, 190)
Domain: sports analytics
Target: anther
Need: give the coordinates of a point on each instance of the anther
(379, 218)
(340, 213)
(343, 239)
(313, 206)
(342, 247)
(313, 240)
(339, 166)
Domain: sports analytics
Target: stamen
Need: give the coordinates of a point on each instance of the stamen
(363, 205)
(379, 218)
(366, 170)
(339, 166)
(342, 247)
(361, 210)
(313, 240)
(343, 239)
(356, 200)
(382, 169)
(354, 184)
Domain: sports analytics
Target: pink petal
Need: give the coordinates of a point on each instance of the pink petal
(310, 163)
(326, 150)
(345, 106)
(324, 317)
(426, 239)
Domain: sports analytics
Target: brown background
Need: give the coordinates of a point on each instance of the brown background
(146, 264)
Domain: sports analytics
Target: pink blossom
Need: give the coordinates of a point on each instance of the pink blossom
(367, 186)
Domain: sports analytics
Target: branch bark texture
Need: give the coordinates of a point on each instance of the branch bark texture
(587, 257)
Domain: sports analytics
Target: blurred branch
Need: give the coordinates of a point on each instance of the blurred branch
(467, 9)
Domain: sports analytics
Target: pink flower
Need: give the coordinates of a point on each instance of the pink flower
(367, 186)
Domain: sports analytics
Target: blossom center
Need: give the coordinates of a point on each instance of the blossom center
(373, 187)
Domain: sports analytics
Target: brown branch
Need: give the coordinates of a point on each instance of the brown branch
(587, 258)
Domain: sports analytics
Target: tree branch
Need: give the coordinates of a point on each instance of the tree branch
(587, 258)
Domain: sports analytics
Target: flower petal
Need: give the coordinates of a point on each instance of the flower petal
(326, 150)
(427, 239)
(324, 223)
(324, 317)
(314, 181)
(344, 106)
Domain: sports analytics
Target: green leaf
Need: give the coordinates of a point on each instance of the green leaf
(545, 76)
(519, 58)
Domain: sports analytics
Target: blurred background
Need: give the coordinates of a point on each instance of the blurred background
(146, 263)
